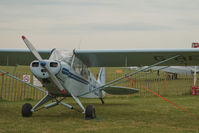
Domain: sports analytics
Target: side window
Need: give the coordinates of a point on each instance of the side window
(80, 68)
(77, 65)
(85, 72)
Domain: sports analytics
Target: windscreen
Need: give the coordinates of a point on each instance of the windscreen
(62, 55)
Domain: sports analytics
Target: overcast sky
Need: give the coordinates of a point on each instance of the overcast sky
(99, 24)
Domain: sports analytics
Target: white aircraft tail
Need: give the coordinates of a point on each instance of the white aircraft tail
(101, 77)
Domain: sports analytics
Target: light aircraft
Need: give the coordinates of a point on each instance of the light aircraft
(175, 70)
(65, 73)
(184, 70)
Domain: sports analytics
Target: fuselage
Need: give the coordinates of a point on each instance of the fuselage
(76, 79)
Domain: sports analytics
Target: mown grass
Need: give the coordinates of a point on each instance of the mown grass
(118, 114)
(147, 113)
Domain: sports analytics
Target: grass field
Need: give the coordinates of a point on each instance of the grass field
(118, 114)
(143, 112)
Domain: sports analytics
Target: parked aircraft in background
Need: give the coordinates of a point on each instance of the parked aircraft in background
(65, 73)
(174, 70)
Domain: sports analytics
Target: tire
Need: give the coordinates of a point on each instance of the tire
(26, 110)
(90, 112)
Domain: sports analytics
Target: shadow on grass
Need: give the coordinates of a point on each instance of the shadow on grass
(28, 100)
(58, 114)
(1, 100)
(112, 104)
(72, 114)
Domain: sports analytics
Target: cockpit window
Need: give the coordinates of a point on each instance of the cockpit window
(80, 68)
(53, 64)
(35, 64)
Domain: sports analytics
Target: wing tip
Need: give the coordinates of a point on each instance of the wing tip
(23, 37)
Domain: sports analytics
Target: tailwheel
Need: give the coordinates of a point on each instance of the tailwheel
(90, 112)
(26, 110)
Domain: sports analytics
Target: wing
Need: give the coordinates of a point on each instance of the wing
(138, 57)
(12, 57)
(109, 58)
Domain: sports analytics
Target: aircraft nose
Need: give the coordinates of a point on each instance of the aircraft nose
(42, 63)
(40, 68)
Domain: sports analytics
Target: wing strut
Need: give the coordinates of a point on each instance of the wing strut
(78, 102)
(128, 75)
(12, 76)
(141, 75)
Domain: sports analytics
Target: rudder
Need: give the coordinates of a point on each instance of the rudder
(101, 77)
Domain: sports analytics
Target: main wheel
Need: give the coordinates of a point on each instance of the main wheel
(26, 110)
(90, 112)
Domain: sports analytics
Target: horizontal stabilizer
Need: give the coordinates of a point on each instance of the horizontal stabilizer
(118, 90)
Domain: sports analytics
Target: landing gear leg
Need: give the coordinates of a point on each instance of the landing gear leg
(27, 108)
(102, 100)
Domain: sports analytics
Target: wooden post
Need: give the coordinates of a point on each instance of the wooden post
(5, 87)
(9, 92)
(165, 83)
(2, 81)
(18, 90)
(15, 87)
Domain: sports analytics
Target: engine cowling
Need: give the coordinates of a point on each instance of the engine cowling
(39, 71)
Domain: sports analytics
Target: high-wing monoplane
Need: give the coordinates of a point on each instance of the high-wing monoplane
(65, 73)
(175, 70)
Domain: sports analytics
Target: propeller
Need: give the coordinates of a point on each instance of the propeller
(43, 64)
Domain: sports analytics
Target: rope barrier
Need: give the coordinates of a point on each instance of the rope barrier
(186, 111)
(2, 74)
(130, 80)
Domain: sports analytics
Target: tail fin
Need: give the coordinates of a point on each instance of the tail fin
(101, 77)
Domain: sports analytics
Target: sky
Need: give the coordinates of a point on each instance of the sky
(99, 24)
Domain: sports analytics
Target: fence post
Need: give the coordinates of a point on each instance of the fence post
(24, 89)
(2, 80)
(12, 91)
(18, 89)
(5, 87)
(9, 91)
(15, 87)
(165, 83)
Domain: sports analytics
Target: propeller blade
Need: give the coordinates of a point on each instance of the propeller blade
(37, 55)
(55, 80)
(31, 48)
